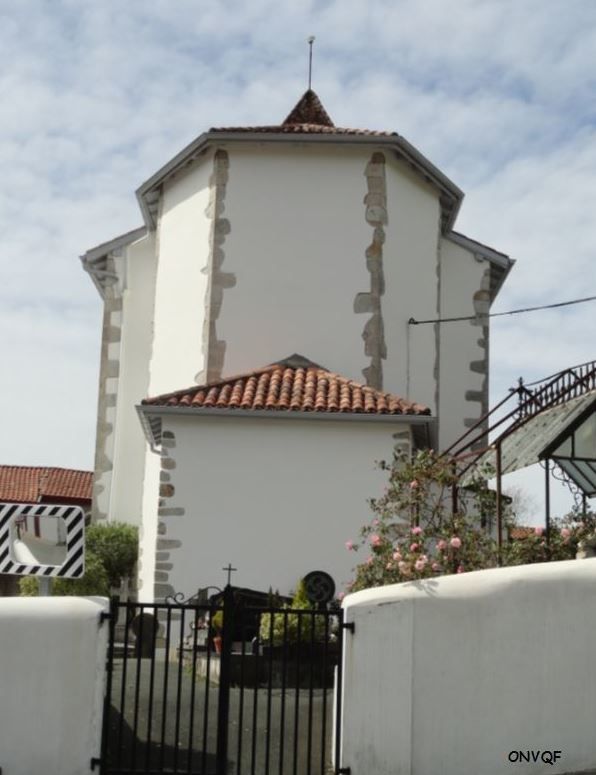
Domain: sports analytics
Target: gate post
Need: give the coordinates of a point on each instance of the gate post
(223, 705)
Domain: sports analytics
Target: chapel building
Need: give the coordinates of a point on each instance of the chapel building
(258, 351)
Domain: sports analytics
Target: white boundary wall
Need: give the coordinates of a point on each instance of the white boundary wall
(52, 671)
(448, 676)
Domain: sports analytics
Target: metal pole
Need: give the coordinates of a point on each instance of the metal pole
(547, 498)
(223, 706)
(499, 501)
(45, 586)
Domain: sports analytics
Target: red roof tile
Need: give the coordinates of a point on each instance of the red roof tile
(294, 384)
(308, 116)
(27, 484)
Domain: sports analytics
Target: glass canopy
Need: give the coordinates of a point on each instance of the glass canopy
(574, 450)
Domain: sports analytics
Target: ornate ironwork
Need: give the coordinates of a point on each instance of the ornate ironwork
(561, 476)
(199, 598)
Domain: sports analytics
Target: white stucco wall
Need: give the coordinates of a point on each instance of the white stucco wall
(183, 258)
(130, 446)
(148, 529)
(296, 245)
(277, 498)
(461, 278)
(410, 259)
(52, 670)
(297, 249)
(450, 675)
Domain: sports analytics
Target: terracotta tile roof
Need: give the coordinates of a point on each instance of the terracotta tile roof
(521, 532)
(27, 484)
(292, 385)
(308, 116)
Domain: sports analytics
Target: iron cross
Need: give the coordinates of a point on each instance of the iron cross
(229, 570)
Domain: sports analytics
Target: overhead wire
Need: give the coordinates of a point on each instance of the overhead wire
(480, 316)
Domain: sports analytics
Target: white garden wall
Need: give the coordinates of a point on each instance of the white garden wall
(52, 670)
(450, 675)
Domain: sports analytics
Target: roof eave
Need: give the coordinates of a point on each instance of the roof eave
(150, 417)
(92, 259)
(451, 199)
(501, 263)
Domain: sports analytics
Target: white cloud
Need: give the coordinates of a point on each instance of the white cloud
(96, 96)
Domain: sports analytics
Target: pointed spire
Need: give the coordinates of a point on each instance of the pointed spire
(308, 110)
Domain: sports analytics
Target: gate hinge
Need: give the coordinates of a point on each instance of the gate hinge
(344, 771)
(350, 626)
(95, 762)
(104, 616)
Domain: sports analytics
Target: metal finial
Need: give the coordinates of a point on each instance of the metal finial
(311, 40)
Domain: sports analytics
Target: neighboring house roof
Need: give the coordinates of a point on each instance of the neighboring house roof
(311, 122)
(521, 532)
(33, 484)
(294, 387)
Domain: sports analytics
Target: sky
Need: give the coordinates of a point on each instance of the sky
(96, 96)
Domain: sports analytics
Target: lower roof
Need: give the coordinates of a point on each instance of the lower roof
(33, 484)
(293, 388)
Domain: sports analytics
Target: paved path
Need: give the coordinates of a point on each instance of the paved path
(156, 715)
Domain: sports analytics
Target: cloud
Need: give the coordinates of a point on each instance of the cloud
(96, 96)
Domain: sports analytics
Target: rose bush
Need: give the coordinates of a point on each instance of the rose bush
(425, 525)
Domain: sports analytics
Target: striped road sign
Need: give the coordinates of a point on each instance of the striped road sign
(20, 519)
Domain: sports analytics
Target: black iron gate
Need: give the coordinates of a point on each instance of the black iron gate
(208, 689)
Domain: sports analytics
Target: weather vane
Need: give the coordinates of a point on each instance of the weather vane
(311, 40)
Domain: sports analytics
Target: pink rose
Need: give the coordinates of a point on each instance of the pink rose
(389, 566)
(420, 564)
(460, 568)
(341, 596)
(414, 547)
(375, 540)
(565, 532)
(441, 545)
(350, 546)
(538, 531)
(404, 568)
(397, 556)
(413, 484)
(376, 522)
(436, 567)
(416, 531)
(455, 542)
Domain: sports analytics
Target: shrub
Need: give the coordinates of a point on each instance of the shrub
(116, 544)
(94, 582)
(277, 629)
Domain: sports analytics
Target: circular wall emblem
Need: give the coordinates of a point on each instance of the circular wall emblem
(319, 586)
